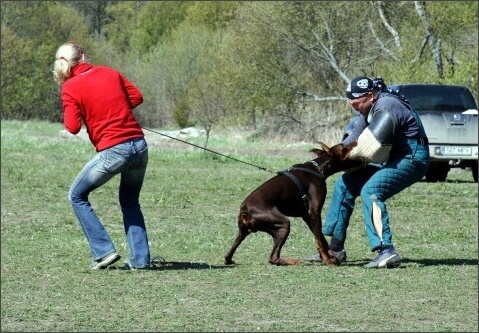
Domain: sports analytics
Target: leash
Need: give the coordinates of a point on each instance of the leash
(286, 172)
(211, 151)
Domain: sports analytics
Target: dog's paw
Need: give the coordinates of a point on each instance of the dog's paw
(285, 262)
(332, 261)
(229, 262)
(296, 262)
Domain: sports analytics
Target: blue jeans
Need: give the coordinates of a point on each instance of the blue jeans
(129, 159)
(381, 182)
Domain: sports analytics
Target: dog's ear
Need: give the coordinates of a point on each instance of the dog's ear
(341, 150)
(324, 151)
(347, 149)
(317, 151)
(325, 147)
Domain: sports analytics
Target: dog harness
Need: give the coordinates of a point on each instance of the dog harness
(304, 196)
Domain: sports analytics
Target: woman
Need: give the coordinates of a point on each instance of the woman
(102, 99)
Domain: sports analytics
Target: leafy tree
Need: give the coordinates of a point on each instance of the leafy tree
(93, 12)
(277, 66)
(15, 75)
(122, 18)
(137, 26)
(172, 67)
(31, 34)
(270, 46)
(214, 15)
(208, 94)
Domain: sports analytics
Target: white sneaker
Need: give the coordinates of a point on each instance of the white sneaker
(386, 258)
(105, 261)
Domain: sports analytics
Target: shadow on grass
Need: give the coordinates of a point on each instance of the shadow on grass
(450, 181)
(185, 265)
(442, 262)
(422, 262)
(178, 265)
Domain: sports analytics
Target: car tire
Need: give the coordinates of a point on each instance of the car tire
(474, 172)
(437, 172)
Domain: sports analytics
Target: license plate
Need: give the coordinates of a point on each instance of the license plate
(462, 151)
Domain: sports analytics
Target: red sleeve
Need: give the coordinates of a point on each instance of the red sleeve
(133, 93)
(72, 115)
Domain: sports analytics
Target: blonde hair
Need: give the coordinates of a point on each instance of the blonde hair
(68, 56)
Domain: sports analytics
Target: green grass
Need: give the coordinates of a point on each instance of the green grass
(190, 200)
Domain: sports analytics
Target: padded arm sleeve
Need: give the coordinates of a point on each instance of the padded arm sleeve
(375, 142)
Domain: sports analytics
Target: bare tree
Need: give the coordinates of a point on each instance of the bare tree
(430, 38)
(389, 28)
(387, 24)
(207, 103)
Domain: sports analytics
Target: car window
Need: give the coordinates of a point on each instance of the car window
(437, 97)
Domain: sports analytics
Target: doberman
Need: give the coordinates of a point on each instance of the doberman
(299, 191)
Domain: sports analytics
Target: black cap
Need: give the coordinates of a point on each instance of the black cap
(359, 87)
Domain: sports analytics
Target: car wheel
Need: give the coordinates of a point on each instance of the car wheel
(437, 172)
(474, 172)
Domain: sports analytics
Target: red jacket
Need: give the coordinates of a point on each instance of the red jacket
(103, 99)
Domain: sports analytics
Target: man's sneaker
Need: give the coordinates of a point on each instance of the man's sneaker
(105, 262)
(387, 258)
(340, 255)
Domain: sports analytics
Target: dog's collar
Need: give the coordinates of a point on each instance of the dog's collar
(319, 167)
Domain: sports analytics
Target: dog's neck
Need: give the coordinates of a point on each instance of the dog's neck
(321, 166)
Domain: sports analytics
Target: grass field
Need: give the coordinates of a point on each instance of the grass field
(190, 200)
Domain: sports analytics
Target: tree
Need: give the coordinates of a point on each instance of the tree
(94, 13)
(31, 34)
(208, 93)
(171, 68)
(279, 66)
(214, 15)
(433, 42)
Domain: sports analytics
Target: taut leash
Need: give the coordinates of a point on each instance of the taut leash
(211, 151)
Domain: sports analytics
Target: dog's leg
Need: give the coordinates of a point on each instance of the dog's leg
(330, 258)
(280, 232)
(245, 228)
(322, 245)
(239, 238)
(279, 238)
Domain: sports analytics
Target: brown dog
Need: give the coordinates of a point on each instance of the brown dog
(299, 191)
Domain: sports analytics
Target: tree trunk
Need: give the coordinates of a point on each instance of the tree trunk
(434, 43)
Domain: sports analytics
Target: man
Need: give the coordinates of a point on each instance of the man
(393, 145)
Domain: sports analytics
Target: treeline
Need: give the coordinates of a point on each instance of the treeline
(276, 66)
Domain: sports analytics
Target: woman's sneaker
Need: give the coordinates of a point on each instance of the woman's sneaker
(105, 261)
(387, 258)
(155, 263)
(129, 267)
